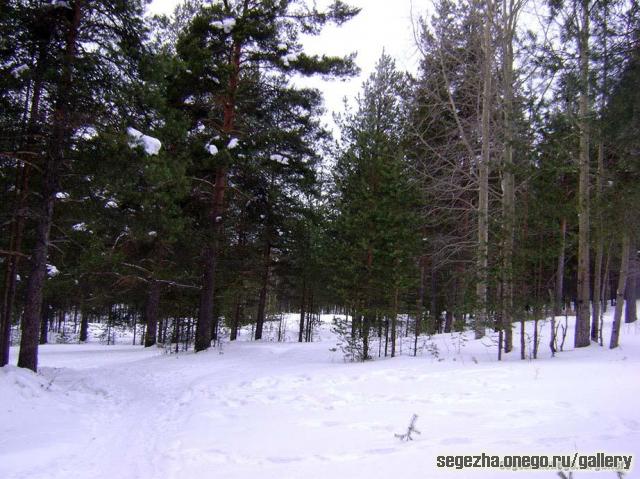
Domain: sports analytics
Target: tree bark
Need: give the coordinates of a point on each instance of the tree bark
(210, 252)
(559, 293)
(483, 180)
(235, 324)
(44, 324)
(262, 301)
(28, 356)
(11, 272)
(84, 325)
(622, 283)
(394, 323)
(509, 13)
(151, 309)
(419, 308)
(630, 312)
(302, 311)
(19, 218)
(582, 329)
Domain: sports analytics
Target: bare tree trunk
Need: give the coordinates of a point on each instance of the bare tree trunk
(262, 302)
(44, 324)
(622, 283)
(394, 323)
(419, 308)
(630, 312)
(483, 181)
(559, 293)
(302, 311)
(510, 14)
(523, 342)
(84, 325)
(235, 323)
(151, 308)
(583, 330)
(366, 321)
(603, 292)
(448, 322)
(597, 280)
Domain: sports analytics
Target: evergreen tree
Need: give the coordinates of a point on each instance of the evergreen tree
(376, 203)
(224, 44)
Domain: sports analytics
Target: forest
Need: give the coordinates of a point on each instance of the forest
(169, 174)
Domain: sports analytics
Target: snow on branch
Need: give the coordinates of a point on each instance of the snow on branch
(150, 144)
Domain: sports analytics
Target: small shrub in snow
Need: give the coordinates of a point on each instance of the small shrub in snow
(410, 430)
(350, 345)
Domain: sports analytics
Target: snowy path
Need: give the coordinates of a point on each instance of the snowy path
(292, 410)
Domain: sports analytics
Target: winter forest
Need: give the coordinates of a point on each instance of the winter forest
(207, 273)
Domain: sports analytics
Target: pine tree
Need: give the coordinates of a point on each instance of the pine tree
(60, 32)
(223, 43)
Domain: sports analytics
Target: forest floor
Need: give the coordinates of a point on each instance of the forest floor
(287, 410)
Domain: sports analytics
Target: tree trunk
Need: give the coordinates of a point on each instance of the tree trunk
(262, 301)
(622, 283)
(302, 311)
(483, 180)
(235, 324)
(394, 323)
(84, 325)
(19, 217)
(597, 278)
(448, 322)
(28, 356)
(44, 324)
(509, 13)
(433, 306)
(583, 329)
(151, 308)
(603, 300)
(365, 337)
(559, 293)
(419, 308)
(210, 252)
(630, 312)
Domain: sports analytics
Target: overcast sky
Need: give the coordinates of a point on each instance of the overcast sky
(382, 24)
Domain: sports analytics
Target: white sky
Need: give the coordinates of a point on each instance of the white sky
(382, 24)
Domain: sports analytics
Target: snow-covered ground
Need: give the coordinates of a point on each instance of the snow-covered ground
(288, 410)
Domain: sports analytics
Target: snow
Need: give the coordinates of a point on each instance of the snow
(288, 58)
(233, 143)
(152, 234)
(52, 271)
(280, 159)
(289, 410)
(87, 132)
(60, 3)
(61, 195)
(282, 46)
(111, 204)
(212, 149)
(151, 145)
(226, 24)
(79, 227)
(19, 70)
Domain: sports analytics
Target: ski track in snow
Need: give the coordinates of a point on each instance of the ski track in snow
(288, 410)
